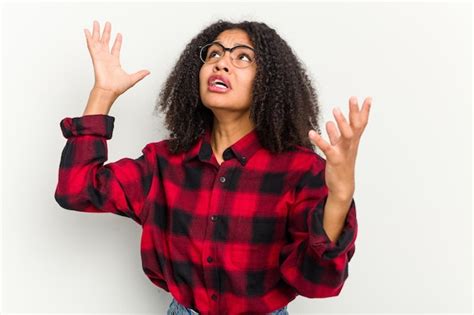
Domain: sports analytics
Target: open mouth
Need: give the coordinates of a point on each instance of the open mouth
(218, 83)
(218, 87)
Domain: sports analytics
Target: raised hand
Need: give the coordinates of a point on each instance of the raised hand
(342, 151)
(109, 75)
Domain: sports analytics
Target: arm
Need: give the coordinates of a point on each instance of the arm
(86, 184)
(311, 262)
(100, 101)
(323, 225)
(335, 213)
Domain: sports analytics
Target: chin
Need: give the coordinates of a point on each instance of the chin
(211, 105)
(217, 100)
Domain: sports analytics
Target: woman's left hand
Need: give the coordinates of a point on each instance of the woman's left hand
(342, 151)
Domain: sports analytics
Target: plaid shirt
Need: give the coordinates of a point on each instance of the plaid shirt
(242, 237)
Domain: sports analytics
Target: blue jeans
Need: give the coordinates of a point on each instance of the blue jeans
(176, 308)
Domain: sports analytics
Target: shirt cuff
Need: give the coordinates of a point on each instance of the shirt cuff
(321, 242)
(97, 125)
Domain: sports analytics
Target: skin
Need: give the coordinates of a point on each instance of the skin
(232, 121)
(341, 155)
(232, 109)
(231, 114)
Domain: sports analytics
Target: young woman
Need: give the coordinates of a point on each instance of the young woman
(239, 213)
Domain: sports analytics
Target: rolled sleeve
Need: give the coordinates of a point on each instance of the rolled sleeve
(87, 184)
(310, 262)
(96, 125)
(320, 241)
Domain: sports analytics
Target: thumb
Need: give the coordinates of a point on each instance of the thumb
(137, 76)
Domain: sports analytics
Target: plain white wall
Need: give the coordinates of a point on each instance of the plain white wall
(413, 172)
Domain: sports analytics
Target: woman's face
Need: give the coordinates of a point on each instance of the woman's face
(237, 97)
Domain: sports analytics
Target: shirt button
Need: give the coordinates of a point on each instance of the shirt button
(222, 179)
(209, 259)
(214, 297)
(214, 218)
(227, 154)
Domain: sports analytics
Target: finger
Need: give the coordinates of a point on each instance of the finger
(366, 109)
(319, 141)
(346, 130)
(117, 45)
(106, 35)
(95, 31)
(354, 113)
(88, 35)
(333, 133)
(88, 40)
(137, 76)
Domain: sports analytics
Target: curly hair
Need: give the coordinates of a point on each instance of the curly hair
(284, 103)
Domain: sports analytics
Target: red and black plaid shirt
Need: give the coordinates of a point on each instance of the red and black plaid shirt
(242, 237)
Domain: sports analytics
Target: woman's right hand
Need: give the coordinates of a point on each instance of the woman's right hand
(109, 75)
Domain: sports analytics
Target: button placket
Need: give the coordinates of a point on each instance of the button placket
(220, 209)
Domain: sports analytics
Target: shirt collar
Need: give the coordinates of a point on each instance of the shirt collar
(243, 149)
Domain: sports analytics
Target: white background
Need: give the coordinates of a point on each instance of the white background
(413, 172)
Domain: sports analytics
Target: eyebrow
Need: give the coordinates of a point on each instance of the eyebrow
(236, 44)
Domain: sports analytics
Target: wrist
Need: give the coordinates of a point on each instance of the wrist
(103, 92)
(339, 199)
(100, 101)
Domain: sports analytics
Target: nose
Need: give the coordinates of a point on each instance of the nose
(223, 62)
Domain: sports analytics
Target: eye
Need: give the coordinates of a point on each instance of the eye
(245, 56)
(213, 53)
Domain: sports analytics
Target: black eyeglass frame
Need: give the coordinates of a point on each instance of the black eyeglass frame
(226, 49)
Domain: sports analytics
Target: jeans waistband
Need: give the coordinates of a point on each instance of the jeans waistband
(176, 308)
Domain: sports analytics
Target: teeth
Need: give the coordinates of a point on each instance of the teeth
(219, 83)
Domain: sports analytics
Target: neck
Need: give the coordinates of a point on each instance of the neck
(225, 134)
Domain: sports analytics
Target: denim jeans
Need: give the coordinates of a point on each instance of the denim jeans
(176, 308)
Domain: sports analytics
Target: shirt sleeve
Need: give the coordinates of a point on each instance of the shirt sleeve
(311, 263)
(86, 184)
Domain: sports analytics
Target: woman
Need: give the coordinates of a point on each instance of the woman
(239, 214)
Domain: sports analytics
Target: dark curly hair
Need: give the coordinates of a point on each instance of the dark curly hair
(284, 103)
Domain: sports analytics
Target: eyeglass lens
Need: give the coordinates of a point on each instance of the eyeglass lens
(241, 56)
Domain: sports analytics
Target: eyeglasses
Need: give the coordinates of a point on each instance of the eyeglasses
(242, 56)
